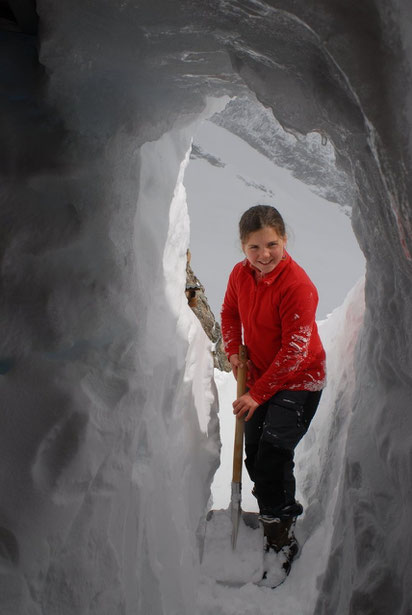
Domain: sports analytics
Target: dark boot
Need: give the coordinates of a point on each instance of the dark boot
(283, 512)
(280, 550)
(279, 533)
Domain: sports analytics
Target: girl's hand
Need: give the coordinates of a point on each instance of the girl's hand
(235, 363)
(244, 405)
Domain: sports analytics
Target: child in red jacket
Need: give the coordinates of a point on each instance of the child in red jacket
(272, 300)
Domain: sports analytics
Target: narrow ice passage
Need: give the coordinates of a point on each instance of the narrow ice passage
(231, 175)
(320, 456)
(195, 393)
(105, 464)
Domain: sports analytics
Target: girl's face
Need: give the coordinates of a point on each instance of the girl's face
(264, 249)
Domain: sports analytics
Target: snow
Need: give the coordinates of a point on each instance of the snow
(178, 365)
(108, 430)
(224, 564)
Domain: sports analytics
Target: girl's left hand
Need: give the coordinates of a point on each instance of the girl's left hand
(244, 405)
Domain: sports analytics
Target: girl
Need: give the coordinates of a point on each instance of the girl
(273, 300)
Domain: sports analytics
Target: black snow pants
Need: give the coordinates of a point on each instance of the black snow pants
(271, 436)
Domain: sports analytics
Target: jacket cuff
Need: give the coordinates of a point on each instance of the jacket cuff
(232, 350)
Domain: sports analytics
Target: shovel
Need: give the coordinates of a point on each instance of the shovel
(223, 529)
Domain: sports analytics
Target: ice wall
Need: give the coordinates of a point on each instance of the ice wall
(82, 251)
(108, 442)
(177, 439)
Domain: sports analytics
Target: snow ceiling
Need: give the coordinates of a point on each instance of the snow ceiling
(98, 109)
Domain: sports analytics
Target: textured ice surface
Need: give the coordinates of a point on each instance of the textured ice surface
(310, 158)
(105, 465)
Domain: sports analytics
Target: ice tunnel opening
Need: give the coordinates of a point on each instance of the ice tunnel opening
(318, 527)
(325, 446)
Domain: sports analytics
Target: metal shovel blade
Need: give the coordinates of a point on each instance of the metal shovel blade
(219, 561)
(235, 514)
(235, 510)
(250, 519)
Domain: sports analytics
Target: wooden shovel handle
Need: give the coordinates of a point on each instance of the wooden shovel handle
(242, 371)
(239, 429)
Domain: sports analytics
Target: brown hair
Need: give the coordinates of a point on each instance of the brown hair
(259, 216)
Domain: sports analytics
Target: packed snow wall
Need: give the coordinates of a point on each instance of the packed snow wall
(104, 447)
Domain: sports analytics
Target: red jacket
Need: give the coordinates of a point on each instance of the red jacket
(277, 314)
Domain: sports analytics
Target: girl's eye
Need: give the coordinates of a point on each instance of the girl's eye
(273, 244)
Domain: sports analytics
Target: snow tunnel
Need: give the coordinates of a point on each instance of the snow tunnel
(109, 437)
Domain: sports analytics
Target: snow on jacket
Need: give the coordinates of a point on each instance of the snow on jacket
(277, 315)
